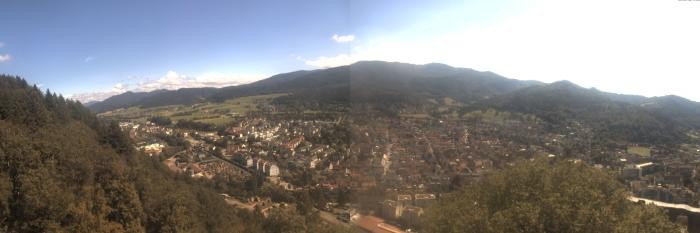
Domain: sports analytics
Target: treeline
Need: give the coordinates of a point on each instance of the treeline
(187, 124)
(160, 120)
(64, 170)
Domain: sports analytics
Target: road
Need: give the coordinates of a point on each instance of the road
(331, 218)
(665, 204)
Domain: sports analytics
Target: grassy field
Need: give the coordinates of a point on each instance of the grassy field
(639, 150)
(213, 113)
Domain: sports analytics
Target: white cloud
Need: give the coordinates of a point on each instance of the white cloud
(93, 96)
(172, 80)
(343, 38)
(119, 88)
(5, 57)
(100, 95)
(89, 59)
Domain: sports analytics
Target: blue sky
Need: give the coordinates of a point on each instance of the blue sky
(93, 49)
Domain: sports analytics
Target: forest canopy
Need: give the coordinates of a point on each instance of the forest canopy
(64, 170)
(545, 196)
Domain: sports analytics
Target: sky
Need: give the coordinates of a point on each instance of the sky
(89, 50)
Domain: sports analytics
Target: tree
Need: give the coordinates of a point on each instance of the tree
(544, 196)
(64, 170)
(284, 221)
(304, 203)
(160, 120)
(345, 195)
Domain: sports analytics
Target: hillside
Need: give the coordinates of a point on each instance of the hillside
(563, 104)
(396, 88)
(152, 99)
(63, 170)
(683, 110)
(363, 82)
(686, 112)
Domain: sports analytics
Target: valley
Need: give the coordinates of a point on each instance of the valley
(356, 160)
(349, 116)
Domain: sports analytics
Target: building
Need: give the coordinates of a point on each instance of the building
(424, 199)
(631, 172)
(153, 149)
(243, 160)
(647, 168)
(638, 171)
(312, 162)
(412, 214)
(392, 209)
(272, 170)
(404, 199)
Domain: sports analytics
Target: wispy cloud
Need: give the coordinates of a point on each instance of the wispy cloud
(89, 59)
(120, 87)
(343, 38)
(172, 80)
(93, 96)
(86, 97)
(5, 57)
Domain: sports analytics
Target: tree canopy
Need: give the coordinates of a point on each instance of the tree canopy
(64, 170)
(545, 196)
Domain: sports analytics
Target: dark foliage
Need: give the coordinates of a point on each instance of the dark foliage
(541, 196)
(563, 104)
(185, 124)
(160, 120)
(123, 100)
(154, 98)
(63, 170)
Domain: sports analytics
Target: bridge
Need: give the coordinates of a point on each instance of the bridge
(674, 210)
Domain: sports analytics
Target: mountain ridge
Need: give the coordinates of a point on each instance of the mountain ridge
(286, 81)
(392, 88)
(350, 77)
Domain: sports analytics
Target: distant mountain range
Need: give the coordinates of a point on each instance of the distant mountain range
(398, 86)
(360, 82)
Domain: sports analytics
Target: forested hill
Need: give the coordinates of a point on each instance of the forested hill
(369, 82)
(63, 170)
(153, 98)
(563, 103)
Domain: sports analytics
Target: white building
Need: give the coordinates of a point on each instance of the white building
(272, 170)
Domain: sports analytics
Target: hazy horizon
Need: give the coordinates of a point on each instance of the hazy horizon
(100, 96)
(90, 50)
